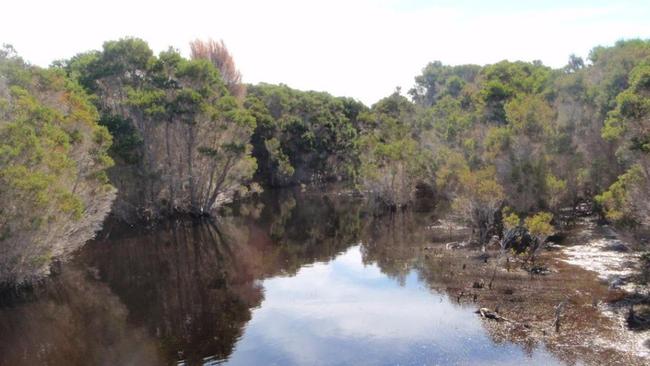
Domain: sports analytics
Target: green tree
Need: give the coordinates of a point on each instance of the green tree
(539, 226)
(392, 162)
(625, 201)
(53, 156)
(312, 136)
(479, 201)
(183, 138)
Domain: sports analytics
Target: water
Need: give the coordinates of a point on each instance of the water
(295, 279)
(346, 313)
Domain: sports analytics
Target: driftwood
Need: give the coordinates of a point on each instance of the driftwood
(493, 315)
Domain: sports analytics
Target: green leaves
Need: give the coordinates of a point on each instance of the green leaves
(630, 118)
(620, 200)
(53, 157)
(539, 224)
(284, 167)
(177, 129)
(629, 125)
(392, 160)
(510, 218)
(151, 102)
(122, 57)
(482, 186)
(530, 115)
(308, 132)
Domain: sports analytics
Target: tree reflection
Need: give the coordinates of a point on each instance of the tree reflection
(72, 320)
(391, 241)
(192, 284)
(184, 283)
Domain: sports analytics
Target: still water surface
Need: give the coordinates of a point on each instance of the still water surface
(294, 279)
(346, 313)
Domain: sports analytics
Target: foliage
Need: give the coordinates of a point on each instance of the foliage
(186, 135)
(556, 190)
(539, 128)
(625, 201)
(303, 137)
(510, 218)
(182, 139)
(539, 226)
(392, 162)
(450, 165)
(53, 157)
(438, 80)
(479, 200)
(629, 120)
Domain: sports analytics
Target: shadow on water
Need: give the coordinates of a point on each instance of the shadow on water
(291, 278)
(185, 288)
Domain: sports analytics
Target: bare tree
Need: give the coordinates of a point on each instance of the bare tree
(217, 53)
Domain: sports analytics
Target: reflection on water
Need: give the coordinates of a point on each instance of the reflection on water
(346, 313)
(294, 279)
(73, 321)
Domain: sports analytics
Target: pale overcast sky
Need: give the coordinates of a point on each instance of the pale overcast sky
(362, 49)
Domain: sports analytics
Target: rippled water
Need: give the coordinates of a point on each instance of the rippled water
(295, 279)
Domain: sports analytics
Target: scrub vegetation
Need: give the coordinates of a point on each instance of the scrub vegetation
(508, 145)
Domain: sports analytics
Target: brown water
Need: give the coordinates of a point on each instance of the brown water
(292, 279)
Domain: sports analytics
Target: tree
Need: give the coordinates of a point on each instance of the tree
(217, 53)
(438, 80)
(575, 64)
(54, 192)
(187, 137)
(303, 137)
(479, 201)
(392, 162)
(539, 226)
(625, 201)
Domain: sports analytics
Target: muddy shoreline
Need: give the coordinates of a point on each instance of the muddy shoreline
(592, 271)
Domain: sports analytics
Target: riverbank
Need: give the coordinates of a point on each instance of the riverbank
(615, 259)
(590, 278)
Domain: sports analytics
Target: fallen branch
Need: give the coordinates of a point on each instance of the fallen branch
(489, 314)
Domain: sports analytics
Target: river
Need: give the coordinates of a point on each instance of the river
(301, 278)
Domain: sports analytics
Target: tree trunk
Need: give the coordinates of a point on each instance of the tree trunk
(220, 181)
(170, 172)
(190, 162)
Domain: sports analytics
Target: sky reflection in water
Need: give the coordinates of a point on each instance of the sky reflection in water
(345, 312)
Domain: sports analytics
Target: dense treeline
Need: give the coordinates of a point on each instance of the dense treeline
(303, 137)
(513, 138)
(508, 145)
(519, 136)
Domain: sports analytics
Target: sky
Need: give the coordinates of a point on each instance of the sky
(362, 49)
